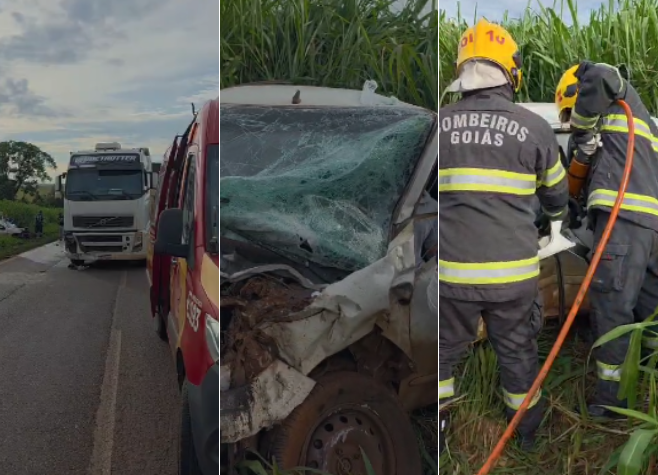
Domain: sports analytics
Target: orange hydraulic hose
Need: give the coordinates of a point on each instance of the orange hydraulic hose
(536, 386)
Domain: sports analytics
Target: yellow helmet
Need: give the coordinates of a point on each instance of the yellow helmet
(566, 93)
(490, 42)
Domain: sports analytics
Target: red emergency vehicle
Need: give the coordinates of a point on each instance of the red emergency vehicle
(183, 271)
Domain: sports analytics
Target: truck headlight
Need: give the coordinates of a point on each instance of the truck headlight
(138, 239)
(212, 337)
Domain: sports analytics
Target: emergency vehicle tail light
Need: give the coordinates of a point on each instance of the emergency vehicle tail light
(212, 337)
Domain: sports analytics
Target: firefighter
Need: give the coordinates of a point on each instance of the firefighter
(496, 159)
(625, 286)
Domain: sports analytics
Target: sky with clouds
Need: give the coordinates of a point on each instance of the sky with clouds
(493, 10)
(77, 72)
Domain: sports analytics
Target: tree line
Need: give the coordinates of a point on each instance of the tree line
(23, 166)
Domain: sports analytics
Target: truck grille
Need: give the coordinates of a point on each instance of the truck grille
(96, 238)
(103, 222)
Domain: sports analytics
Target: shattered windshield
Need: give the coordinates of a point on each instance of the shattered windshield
(318, 184)
(212, 190)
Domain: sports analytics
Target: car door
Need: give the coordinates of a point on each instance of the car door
(179, 267)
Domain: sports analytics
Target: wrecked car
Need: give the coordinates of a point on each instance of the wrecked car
(328, 308)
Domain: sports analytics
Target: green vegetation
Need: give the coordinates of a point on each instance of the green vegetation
(336, 43)
(23, 215)
(623, 31)
(618, 32)
(22, 166)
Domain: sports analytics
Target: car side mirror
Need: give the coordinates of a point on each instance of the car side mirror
(169, 239)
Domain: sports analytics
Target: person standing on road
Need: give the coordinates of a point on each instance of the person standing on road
(38, 224)
(494, 157)
(60, 220)
(625, 286)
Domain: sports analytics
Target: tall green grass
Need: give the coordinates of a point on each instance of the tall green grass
(24, 216)
(335, 43)
(554, 37)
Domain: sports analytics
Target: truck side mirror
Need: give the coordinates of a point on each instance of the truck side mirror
(58, 187)
(169, 239)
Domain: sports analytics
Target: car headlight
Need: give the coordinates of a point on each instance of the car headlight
(212, 337)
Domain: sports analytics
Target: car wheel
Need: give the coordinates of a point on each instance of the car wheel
(160, 327)
(188, 463)
(77, 262)
(345, 414)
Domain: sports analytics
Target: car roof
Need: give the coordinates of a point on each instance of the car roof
(282, 95)
(548, 112)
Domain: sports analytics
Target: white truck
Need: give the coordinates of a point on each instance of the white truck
(107, 195)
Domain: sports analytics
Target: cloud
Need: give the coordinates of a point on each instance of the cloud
(18, 100)
(75, 71)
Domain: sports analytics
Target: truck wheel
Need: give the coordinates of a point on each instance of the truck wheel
(188, 463)
(77, 262)
(160, 327)
(345, 413)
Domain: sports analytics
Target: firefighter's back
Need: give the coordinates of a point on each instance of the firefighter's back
(489, 152)
(641, 203)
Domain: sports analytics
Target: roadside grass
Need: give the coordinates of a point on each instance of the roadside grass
(11, 246)
(567, 444)
(23, 215)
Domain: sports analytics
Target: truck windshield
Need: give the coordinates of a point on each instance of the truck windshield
(212, 199)
(87, 184)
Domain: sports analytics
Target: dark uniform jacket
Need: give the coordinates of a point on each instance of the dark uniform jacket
(596, 109)
(494, 157)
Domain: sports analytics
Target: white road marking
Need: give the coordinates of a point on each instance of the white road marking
(101, 458)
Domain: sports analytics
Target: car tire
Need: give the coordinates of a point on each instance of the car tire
(188, 464)
(77, 262)
(369, 416)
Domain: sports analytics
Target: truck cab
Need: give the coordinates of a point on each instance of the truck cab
(107, 193)
(183, 271)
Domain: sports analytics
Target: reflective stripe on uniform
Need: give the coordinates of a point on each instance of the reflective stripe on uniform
(487, 180)
(608, 372)
(551, 215)
(580, 122)
(446, 388)
(553, 175)
(488, 272)
(514, 401)
(632, 201)
(618, 123)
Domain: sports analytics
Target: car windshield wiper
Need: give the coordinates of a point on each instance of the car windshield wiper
(82, 192)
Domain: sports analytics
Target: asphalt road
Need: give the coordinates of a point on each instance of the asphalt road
(86, 387)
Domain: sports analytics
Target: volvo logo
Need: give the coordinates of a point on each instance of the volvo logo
(102, 222)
